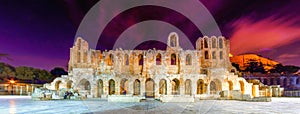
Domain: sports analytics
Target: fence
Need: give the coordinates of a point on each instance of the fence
(292, 93)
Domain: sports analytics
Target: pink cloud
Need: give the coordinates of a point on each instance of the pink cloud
(269, 33)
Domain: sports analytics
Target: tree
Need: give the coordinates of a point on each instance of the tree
(57, 71)
(254, 66)
(6, 71)
(237, 66)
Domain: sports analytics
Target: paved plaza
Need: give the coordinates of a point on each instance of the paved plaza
(24, 105)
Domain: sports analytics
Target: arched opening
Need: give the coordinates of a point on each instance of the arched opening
(141, 59)
(221, 54)
(272, 81)
(206, 55)
(69, 84)
(173, 59)
(111, 88)
(215, 86)
(188, 87)
(149, 88)
(136, 87)
(158, 59)
(85, 57)
(278, 81)
(214, 43)
(230, 85)
(200, 86)
(126, 58)
(124, 87)
(298, 81)
(220, 43)
(242, 86)
(110, 60)
(175, 87)
(57, 85)
(188, 60)
(85, 86)
(214, 55)
(205, 43)
(99, 88)
(173, 41)
(163, 87)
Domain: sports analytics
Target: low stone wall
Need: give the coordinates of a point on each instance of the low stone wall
(124, 98)
(177, 99)
(292, 93)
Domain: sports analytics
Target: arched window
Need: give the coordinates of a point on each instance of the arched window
(78, 57)
(214, 55)
(173, 40)
(110, 60)
(126, 58)
(206, 55)
(214, 43)
(85, 57)
(205, 43)
(220, 43)
(221, 54)
(201, 44)
(173, 59)
(188, 60)
(158, 59)
(141, 59)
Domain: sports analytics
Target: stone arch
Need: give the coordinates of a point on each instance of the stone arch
(298, 80)
(124, 86)
(221, 54)
(57, 84)
(205, 42)
(230, 84)
(141, 59)
(206, 55)
(173, 59)
(99, 88)
(111, 87)
(220, 42)
(200, 86)
(137, 87)
(163, 87)
(69, 84)
(158, 59)
(84, 84)
(214, 55)
(188, 59)
(150, 87)
(188, 87)
(215, 86)
(214, 43)
(175, 87)
(110, 60)
(126, 59)
(242, 86)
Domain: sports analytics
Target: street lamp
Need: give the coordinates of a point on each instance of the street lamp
(12, 82)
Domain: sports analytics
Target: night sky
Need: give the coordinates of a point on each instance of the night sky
(39, 33)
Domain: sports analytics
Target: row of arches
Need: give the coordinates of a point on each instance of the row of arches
(215, 86)
(210, 43)
(213, 55)
(283, 82)
(158, 58)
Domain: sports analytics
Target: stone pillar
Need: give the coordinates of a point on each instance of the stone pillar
(255, 91)
(194, 88)
(130, 87)
(182, 89)
(169, 88)
(21, 90)
(207, 88)
(117, 87)
(143, 85)
(156, 90)
(105, 87)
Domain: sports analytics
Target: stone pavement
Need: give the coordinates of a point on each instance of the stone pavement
(25, 105)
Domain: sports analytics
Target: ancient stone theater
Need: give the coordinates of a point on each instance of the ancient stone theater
(170, 75)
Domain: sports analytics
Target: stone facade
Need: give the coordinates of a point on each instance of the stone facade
(171, 75)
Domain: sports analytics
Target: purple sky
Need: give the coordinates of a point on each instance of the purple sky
(39, 33)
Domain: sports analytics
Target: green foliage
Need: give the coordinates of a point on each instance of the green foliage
(254, 66)
(29, 73)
